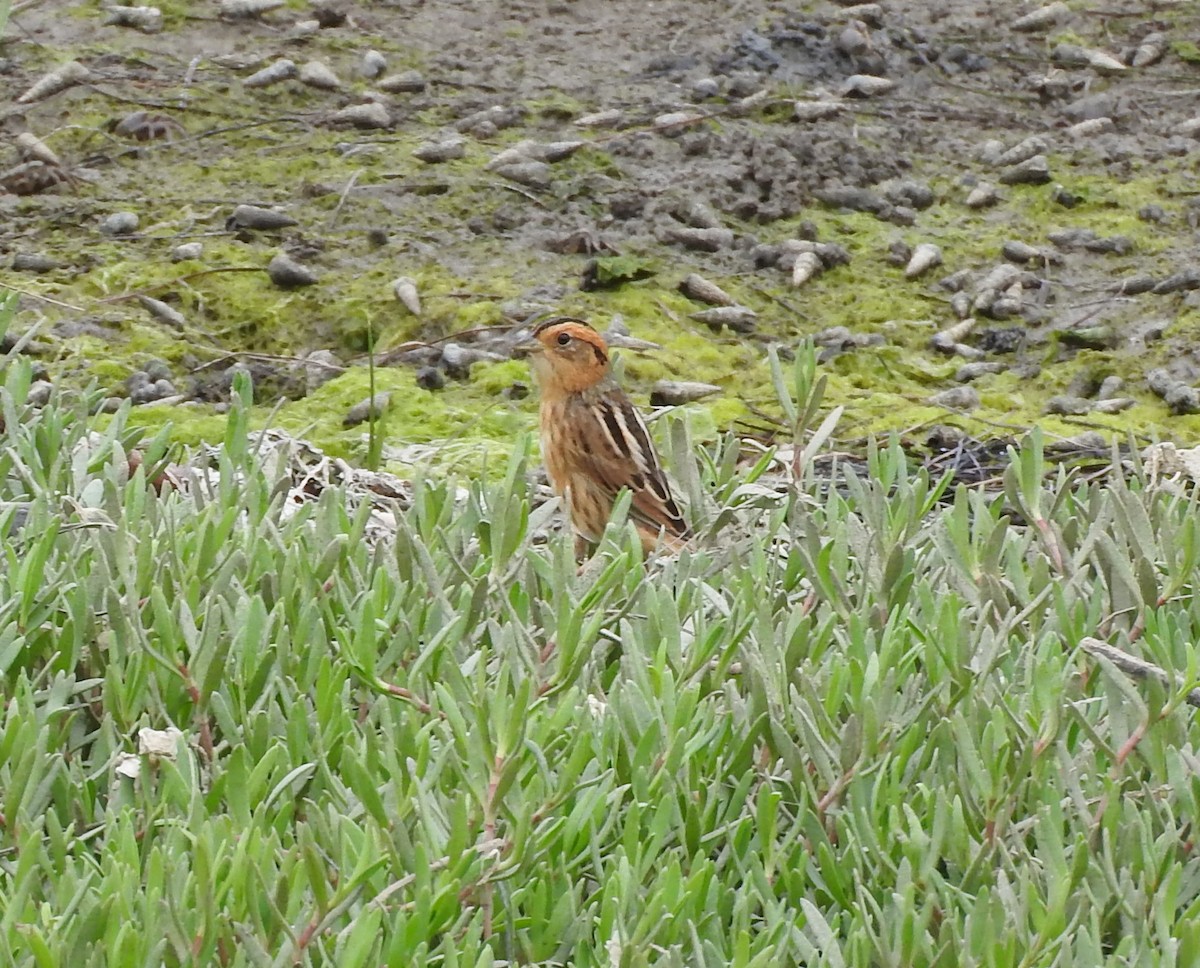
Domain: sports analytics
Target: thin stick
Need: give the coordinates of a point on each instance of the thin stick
(1137, 668)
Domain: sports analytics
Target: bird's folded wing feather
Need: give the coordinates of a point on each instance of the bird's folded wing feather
(627, 459)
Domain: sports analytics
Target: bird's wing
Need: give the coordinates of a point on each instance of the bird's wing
(625, 457)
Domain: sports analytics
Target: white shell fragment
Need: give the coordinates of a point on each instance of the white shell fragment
(70, 74)
(866, 85)
(805, 268)
(159, 743)
(146, 19)
(32, 148)
(406, 291)
(319, 75)
(695, 286)
(1043, 17)
(282, 70)
(924, 257)
(163, 312)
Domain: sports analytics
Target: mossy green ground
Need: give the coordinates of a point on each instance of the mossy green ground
(343, 185)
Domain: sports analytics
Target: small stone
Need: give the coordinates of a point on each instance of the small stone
(371, 408)
(406, 82)
(1182, 399)
(433, 152)
(254, 217)
(1152, 213)
(695, 286)
(164, 388)
(287, 273)
(33, 262)
(319, 75)
(1022, 151)
(1032, 171)
(866, 85)
(430, 378)
(186, 251)
(982, 195)
(318, 368)
(1021, 252)
(1110, 386)
(1114, 405)
(700, 240)
(39, 394)
(1068, 405)
(599, 119)
(816, 110)
(706, 87)
(675, 393)
(370, 115)
(373, 64)
(973, 371)
(533, 174)
(740, 319)
(281, 70)
(1178, 282)
(119, 223)
(956, 398)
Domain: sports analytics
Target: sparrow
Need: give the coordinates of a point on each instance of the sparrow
(594, 441)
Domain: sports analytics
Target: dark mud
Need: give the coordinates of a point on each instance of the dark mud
(699, 163)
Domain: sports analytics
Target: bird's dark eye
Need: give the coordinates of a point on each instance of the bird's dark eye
(564, 339)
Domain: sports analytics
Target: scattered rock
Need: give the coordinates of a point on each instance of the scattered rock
(1178, 282)
(1043, 18)
(373, 65)
(673, 393)
(370, 409)
(430, 378)
(186, 251)
(370, 115)
(433, 152)
(956, 398)
(1068, 406)
(695, 286)
(1032, 171)
(33, 262)
(700, 240)
(737, 318)
(281, 70)
(973, 371)
(287, 273)
(119, 223)
(866, 85)
(406, 82)
(319, 75)
(254, 217)
(163, 312)
(146, 19)
(532, 174)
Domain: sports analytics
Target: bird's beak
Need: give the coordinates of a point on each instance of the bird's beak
(526, 348)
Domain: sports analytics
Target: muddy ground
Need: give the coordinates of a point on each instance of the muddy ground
(733, 140)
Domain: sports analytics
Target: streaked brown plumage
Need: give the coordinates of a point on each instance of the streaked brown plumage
(594, 441)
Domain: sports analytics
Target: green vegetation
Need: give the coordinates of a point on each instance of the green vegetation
(855, 727)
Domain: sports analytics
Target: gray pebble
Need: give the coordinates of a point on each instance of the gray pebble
(430, 378)
(1187, 279)
(371, 407)
(1136, 285)
(164, 388)
(972, 371)
(157, 370)
(287, 273)
(701, 240)
(318, 368)
(706, 87)
(1066, 405)
(534, 174)
(406, 82)
(1110, 386)
(39, 394)
(1182, 399)
(119, 223)
(255, 217)
(956, 398)
(1114, 405)
(136, 380)
(33, 262)
(373, 64)
(1033, 171)
(675, 393)
(189, 250)
(434, 152)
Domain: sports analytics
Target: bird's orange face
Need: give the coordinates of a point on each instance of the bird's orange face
(567, 355)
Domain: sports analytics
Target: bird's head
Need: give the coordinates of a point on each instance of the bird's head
(566, 355)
